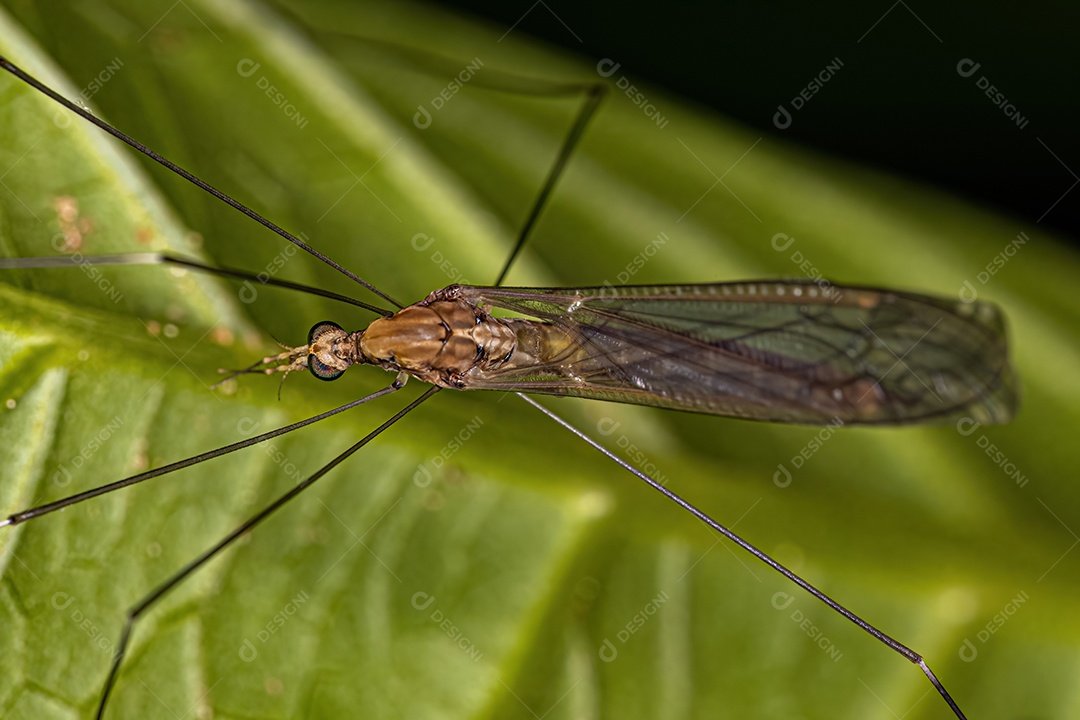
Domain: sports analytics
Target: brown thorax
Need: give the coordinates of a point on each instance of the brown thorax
(437, 340)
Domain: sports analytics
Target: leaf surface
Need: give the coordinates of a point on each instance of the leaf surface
(476, 561)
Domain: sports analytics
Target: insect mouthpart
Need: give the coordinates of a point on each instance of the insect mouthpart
(329, 352)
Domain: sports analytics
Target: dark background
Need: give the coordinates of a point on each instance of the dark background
(898, 103)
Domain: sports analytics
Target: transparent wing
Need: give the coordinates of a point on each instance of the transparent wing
(779, 351)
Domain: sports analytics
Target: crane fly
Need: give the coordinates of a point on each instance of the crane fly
(771, 351)
(776, 351)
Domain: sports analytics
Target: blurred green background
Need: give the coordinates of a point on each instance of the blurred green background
(477, 561)
(898, 104)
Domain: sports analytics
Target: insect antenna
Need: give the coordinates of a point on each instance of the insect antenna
(58, 261)
(594, 95)
(201, 184)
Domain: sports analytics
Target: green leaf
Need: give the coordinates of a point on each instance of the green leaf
(476, 560)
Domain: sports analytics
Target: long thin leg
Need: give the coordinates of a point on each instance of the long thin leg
(136, 611)
(888, 641)
(512, 84)
(170, 165)
(57, 261)
(594, 95)
(30, 514)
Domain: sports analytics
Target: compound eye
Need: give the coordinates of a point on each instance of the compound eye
(321, 370)
(320, 329)
(318, 368)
